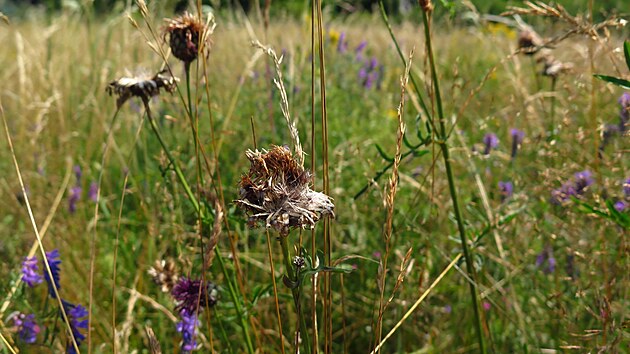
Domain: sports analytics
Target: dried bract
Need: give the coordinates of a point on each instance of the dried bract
(143, 87)
(276, 191)
(187, 35)
(164, 274)
(529, 41)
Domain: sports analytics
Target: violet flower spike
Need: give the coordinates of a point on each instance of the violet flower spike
(517, 140)
(490, 141)
(75, 196)
(30, 272)
(359, 51)
(76, 314)
(78, 173)
(342, 44)
(188, 328)
(626, 188)
(506, 189)
(583, 179)
(53, 262)
(93, 192)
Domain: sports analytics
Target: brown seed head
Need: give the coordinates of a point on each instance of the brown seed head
(164, 274)
(143, 87)
(426, 5)
(186, 35)
(276, 191)
(529, 41)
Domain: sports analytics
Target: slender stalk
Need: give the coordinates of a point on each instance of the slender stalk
(292, 274)
(552, 130)
(451, 182)
(180, 175)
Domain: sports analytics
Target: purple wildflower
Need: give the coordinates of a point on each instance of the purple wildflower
(368, 74)
(506, 189)
(624, 112)
(75, 196)
(620, 206)
(546, 255)
(517, 139)
(486, 306)
(188, 328)
(93, 192)
(26, 326)
(448, 309)
(583, 179)
(359, 51)
(192, 294)
(53, 262)
(30, 272)
(75, 314)
(78, 173)
(342, 45)
(626, 188)
(490, 141)
(563, 194)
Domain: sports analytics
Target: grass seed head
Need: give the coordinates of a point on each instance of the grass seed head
(186, 34)
(143, 87)
(276, 191)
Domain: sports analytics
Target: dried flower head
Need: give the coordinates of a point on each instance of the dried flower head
(164, 274)
(529, 41)
(187, 35)
(276, 191)
(193, 294)
(553, 67)
(426, 5)
(143, 87)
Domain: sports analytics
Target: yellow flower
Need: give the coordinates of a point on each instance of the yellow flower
(498, 29)
(334, 36)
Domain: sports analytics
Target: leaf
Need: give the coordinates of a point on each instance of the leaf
(615, 80)
(383, 154)
(626, 52)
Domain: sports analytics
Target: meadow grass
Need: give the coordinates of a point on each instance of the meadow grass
(548, 277)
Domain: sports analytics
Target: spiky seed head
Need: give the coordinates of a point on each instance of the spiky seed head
(143, 87)
(186, 34)
(164, 274)
(276, 191)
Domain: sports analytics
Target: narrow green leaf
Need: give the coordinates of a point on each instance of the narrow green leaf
(626, 52)
(615, 80)
(383, 154)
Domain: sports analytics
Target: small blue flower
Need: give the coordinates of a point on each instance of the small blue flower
(76, 313)
(53, 262)
(620, 206)
(506, 189)
(26, 326)
(30, 272)
(188, 328)
(490, 141)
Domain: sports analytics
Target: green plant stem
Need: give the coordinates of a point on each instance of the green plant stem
(451, 184)
(180, 175)
(292, 274)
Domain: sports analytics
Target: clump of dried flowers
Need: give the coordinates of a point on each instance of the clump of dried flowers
(276, 191)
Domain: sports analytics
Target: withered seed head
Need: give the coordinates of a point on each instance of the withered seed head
(276, 191)
(143, 87)
(186, 34)
(529, 41)
(426, 5)
(164, 274)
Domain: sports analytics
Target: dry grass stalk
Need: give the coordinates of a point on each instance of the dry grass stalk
(276, 191)
(143, 87)
(154, 343)
(216, 231)
(284, 101)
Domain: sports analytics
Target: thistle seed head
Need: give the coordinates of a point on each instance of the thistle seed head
(187, 34)
(143, 87)
(276, 191)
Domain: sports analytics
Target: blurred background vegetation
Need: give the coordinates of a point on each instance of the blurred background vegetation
(400, 9)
